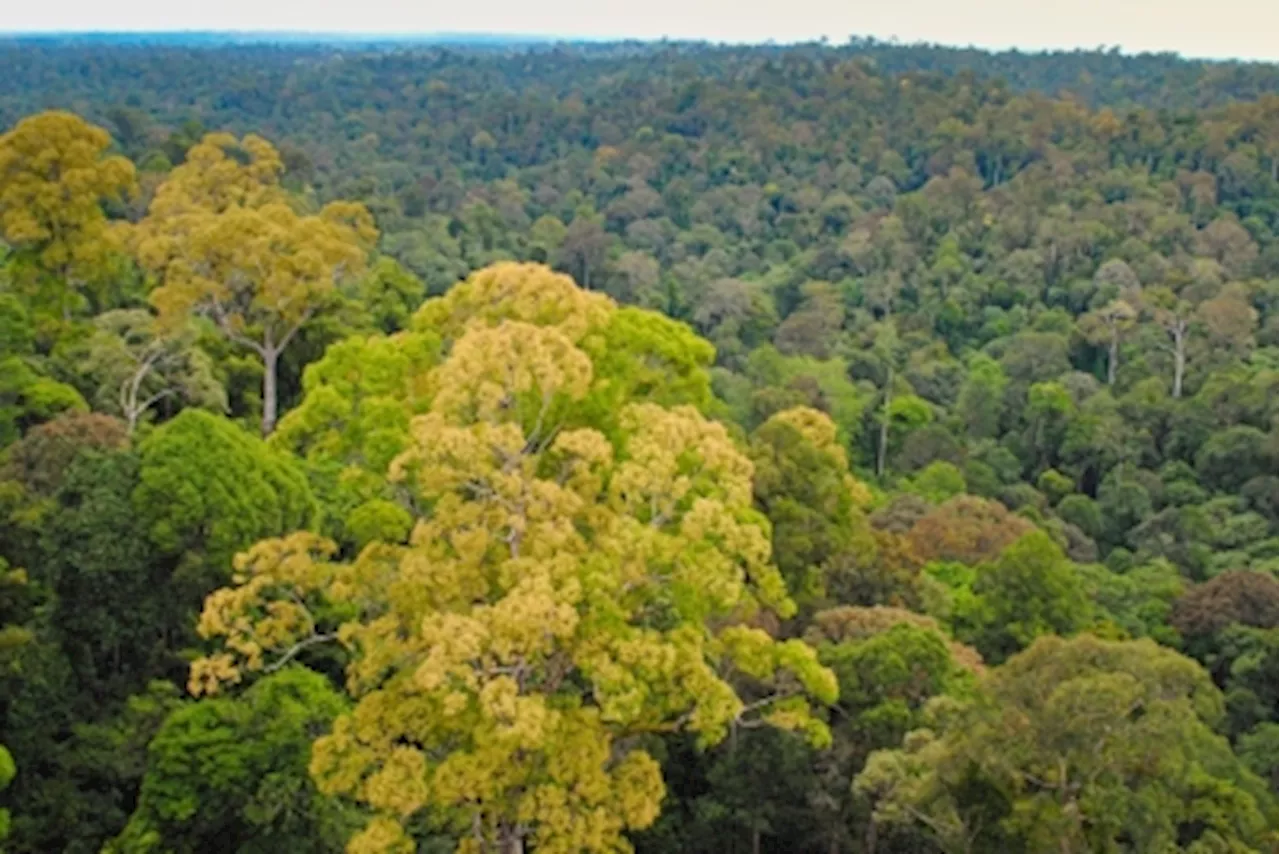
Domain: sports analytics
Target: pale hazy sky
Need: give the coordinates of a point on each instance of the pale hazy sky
(1201, 28)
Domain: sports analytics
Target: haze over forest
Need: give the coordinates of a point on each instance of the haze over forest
(508, 444)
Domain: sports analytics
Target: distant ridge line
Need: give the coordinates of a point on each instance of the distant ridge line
(190, 37)
(357, 40)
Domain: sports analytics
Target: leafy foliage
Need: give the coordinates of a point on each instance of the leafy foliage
(659, 439)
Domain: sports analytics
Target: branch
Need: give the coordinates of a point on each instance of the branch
(224, 323)
(288, 336)
(146, 404)
(293, 651)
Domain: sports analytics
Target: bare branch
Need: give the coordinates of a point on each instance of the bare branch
(293, 651)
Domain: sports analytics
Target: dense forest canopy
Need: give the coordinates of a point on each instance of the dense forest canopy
(636, 447)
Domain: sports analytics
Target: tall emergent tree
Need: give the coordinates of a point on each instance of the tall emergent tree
(226, 242)
(566, 592)
(55, 176)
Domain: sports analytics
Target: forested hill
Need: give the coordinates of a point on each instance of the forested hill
(777, 149)
(1097, 77)
(669, 448)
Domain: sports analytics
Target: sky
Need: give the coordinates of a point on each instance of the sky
(1219, 29)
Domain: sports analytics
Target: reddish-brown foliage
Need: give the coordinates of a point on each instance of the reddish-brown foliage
(1233, 597)
(967, 529)
(40, 458)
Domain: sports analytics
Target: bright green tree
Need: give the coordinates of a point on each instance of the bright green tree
(1031, 589)
(207, 489)
(231, 774)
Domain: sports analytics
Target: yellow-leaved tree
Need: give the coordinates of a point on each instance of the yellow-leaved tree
(359, 399)
(566, 592)
(226, 242)
(55, 175)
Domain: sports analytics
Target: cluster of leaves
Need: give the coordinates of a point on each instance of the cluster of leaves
(807, 449)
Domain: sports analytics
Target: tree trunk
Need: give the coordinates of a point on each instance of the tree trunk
(1113, 355)
(1179, 356)
(882, 448)
(755, 840)
(270, 364)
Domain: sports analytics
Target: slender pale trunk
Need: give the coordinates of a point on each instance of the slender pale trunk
(1179, 333)
(1113, 355)
(882, 449)
(129, 399)
(270, 365)
(755, 840)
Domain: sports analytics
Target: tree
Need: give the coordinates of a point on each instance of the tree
(1048, 410)
(207, 489)
(1248, 598)
(886, 679)
(1176, 316)
(905, 413)
(55, 176)
(353, 420)
(100, 630)
(966, 529)
(981, 397)
(1076, 745)
(1107, 326)
(40, 460)
(231, 774)
(226, 244)
(387, 295)
(33, 469)
(564, 592)
(1138, 601)
(583, 250)
(812, 328)
(1030, 590)
(136, 363)
(110, 611)
(736, 316)
(802, 484)
(937, 482)
(1230, 457)
(1229, 321)
(635, 278)
(634, 353)
(778, 382)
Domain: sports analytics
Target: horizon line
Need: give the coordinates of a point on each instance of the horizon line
(479, 36)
